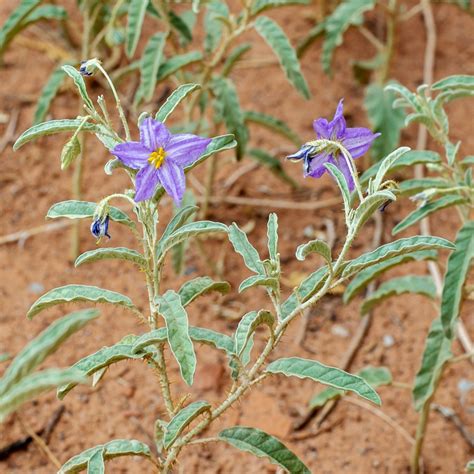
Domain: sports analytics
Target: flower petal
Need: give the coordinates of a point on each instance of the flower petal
(153, 134)
(337, 126)
(145, 183)
(344, 167)
(172, 178)
(314, 165)
(132, 154)
(358, 140)
(184, 148)
(302, 153)
(321, 127)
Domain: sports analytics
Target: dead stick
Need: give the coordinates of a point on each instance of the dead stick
(24, 234)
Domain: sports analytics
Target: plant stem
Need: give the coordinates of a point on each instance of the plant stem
(420, 434)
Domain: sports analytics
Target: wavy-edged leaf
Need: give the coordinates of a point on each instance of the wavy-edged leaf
(394, 249)
(276, 38)
(272, 236)
(421, 285)
(136, 15)
(234, 58)
(314, 246)
(110, 450)
(45, 344)
(247, 326)
(45, 12)
(332, 376)
(435, 355)
(103, 358)
(106, 253)
(176, 319)
(79, 293)
(175, 98)
(96, 463)
(336, 173)
(216, 13)
(47, 95)
(272, 123)
(199, 286)
(258, 280)
(370, 205)
(239, 240)
(83, 209)
(412, 186)
(180, 218)
(273, 164)
(386, 164)
(51, 127)
(177, 62)
(261, 5)
(470, 466)
(456, 274)
(181, 27)
(150, 64)
(462, 81)
(427, 209)
(182, 419)
(32, 385)
(76, 76)
(364, 277)
(263, 445)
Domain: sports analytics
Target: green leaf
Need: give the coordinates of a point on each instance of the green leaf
(241, 244)
(272, 237)
(232, 114)
(274, 124)
(324, 396)
(47, 95)
(96, 463)
(386, 164)
(136, 15)
(384, 119)
(248, 325)
(273, 164)
(470, 466)
(364, 277)
(262, 5)
(83, 209)
(181, 27)
(112, 449)
(342, 184)
(51, 127)
(258, 280)
(36, 351)
(78, 293)
(76, 76)
(176, 319)
(456, 274)
(101, 359)
(33, 385)
(337, 378)
(234, 58)
(105, 253)
(412, 186)
(216, 12)
(45, 12)
(277, 40)
(263, 445)
(150, 64)
(421, 285)
(182, 419)
(177, 62)
(370, 205)
(394, 249)
(177, 96)
(427, 209)
(181, 217)
(200, 286)
(348, 13)
(455, 82)
(435, 355)
(71, 150)
(314, 246)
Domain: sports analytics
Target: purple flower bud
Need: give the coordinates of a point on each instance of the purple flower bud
(83, 69)
(100, 227)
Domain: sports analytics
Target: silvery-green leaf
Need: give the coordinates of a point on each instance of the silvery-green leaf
(78, 293)
(83, 209)
(4, 356)
(324, 396)
(76, 76)
(199, 286)
(175, 98)
(272, 236)
(421, 285)
(241, 244)
(457, 272)
(47, 95)
(332, 376)
(181, 27)
(177, 62)
(273, 164)
(150, 64)
(364, 277)
(181, 217)
(263, 445)
(470, 466)
(51, 127)
(176, 319)
(455, 82)
(215, 12)
(136, 15)
(427, 209)
(247, 326)
(258, 280)
(43, 345)
(274, 124)
(234, 58)
(105, 253)
(386, 164)
(394, 249)
(96, 463)
(370, 205)
(70, 151)
(101, 359)
(409, 97)
(110, 450)
(262, 5)
(314, 246)
(435, 355)
(182, 419)
(45, 12)
(451, 151)
(276, 38)
(413, 186)
(35, 384)
(342, 183)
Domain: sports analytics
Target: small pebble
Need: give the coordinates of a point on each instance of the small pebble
(388, 340)
(339, 331)
(36, 288)
(308, 231)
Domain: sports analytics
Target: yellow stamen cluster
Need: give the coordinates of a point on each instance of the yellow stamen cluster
(157, 157)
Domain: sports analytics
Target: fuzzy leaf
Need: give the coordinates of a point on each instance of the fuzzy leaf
(181, 27)
(150, 64)
(272, 236)
(177, 96)
(248, 325)
(177, 62)
(412, 186)
(263, 445)
(234, 58)
(342, 184)
(105, 253)
(314, 246)
(200, 286)
(258, 280)
(47, 95)
(278, 41)
(370, 205)
(241, 244)
(386, 164)
(75, 75)
(274, 124)
(455, 82)
(96, 463)
(136, 15)
(261, 5)
(78, 293)
(180, 218)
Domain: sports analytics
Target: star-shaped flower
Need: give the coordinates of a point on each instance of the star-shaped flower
(160, 157)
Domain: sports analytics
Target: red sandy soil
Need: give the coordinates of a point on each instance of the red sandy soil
(127, 401)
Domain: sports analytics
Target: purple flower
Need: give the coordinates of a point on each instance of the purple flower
(100, 227)
(160, 158)
(355, 140)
